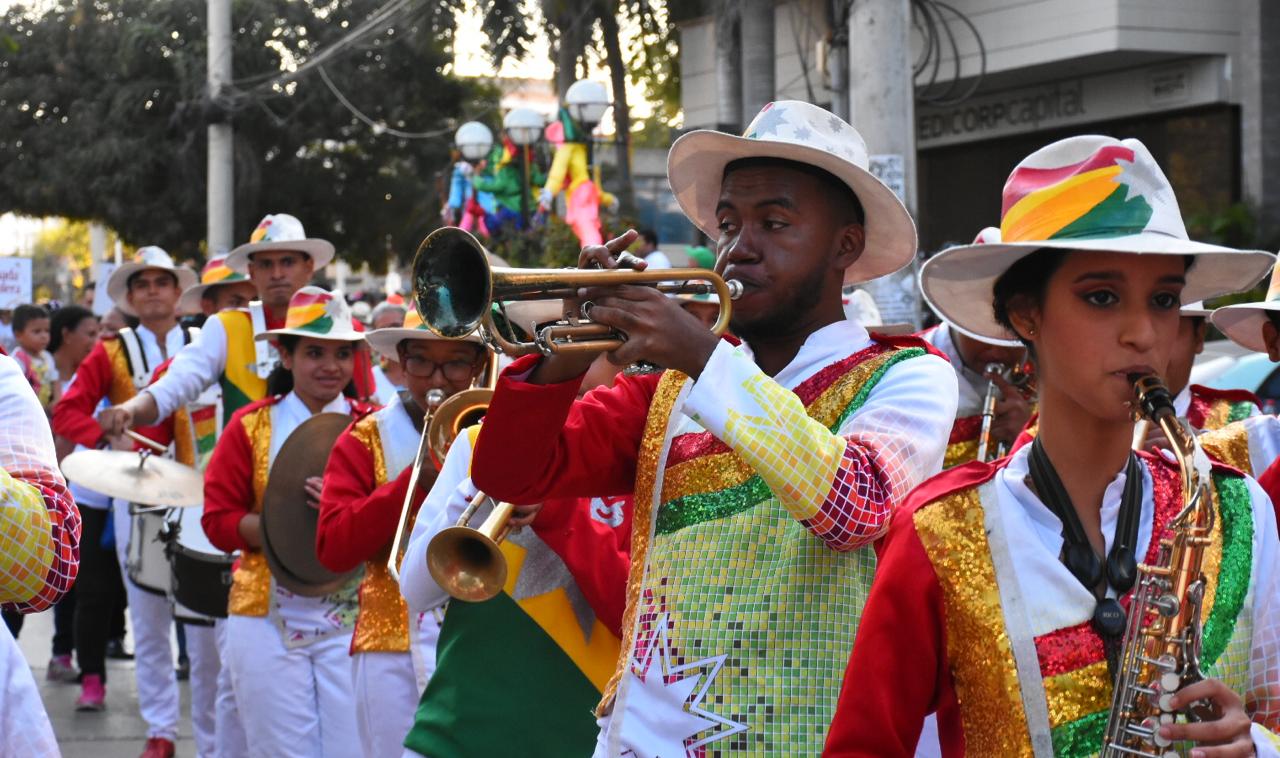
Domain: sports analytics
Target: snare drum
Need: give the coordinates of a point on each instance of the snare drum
(145, 559)
(201, 574)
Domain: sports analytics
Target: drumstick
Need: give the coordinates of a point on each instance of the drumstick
(156, 446)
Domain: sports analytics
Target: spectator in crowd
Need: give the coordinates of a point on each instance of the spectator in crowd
(73, 331)
(388, 377)
(31, 333)
(6, 330)
(649, 251)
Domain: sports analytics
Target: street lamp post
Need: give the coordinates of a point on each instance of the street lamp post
(474, 140)
(524, 126)
(586, 102)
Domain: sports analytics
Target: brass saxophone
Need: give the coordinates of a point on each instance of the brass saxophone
(1161, 647)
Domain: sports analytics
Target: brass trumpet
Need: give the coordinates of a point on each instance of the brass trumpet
(455, 289)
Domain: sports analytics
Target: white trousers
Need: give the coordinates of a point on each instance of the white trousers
(386, 698)
(293, 702)
(152, 618)
(231, 739)
(24, 725)
(202, 652)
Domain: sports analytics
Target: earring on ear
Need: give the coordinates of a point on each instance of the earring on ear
(1031, 331)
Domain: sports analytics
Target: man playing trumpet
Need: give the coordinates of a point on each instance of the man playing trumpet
(762, 471)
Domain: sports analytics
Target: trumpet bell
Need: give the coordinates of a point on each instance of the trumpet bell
(467, 564)
(452, 283)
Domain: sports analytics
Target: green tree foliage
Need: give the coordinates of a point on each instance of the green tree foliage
(103, 115)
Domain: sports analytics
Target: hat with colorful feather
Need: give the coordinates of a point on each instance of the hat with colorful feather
(214, 274)
(318, 313)
(280, 231)
(1086, 193)
(1242, 322)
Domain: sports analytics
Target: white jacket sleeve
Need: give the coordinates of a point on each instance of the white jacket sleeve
(443, 507)
(194, 369)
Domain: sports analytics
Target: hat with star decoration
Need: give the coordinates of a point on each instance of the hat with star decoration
(319, 313)
(280, 232)
(804, 133)
(1087, 193)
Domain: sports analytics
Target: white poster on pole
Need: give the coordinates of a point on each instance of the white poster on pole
(101, 300)
(15, 282)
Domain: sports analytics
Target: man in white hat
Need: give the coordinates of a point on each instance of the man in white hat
(220, 289)
(115, 370)
(762, 471)
(279, 259)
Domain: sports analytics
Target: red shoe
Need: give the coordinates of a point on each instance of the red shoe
(93, 695)
(158, 747)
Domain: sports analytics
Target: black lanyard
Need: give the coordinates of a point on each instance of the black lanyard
(1121, 567)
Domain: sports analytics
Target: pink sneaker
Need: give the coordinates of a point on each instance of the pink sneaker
(93, 694)
(158, 747)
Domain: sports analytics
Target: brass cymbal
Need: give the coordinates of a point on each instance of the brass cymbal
(136, 477)
(288, 522)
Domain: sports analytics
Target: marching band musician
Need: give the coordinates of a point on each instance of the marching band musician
(279, 259)
(366, 483)
(287, 654)
(1001, 598)
(116, 369)
(762, 471)
(39, 553)
(561, 600)
(215, 719)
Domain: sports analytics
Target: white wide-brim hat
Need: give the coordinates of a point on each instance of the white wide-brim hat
(150, 257)
(317, 313)
(1087, 193)
(801, 132)
(280, 231)
(385, 341)
(1242, 322)
(1195, 310)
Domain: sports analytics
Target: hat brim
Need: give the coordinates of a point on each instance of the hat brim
(320, 251)
(1242, 323)
(118, 282)
(695, 169)
(192, 297)
(959, 282)
(347, 335)
(385, 341)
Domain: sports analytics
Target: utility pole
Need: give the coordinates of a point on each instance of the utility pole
(220, 198)
(882, 109)
(756, 24)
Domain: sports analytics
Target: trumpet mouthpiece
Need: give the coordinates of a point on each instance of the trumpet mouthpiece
(735, 289)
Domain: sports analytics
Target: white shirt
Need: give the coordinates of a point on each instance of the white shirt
(195, 368)
(383, 388)
(972, 388)
(657, 259)
(303, 619)
(24, 725)
(443, 507)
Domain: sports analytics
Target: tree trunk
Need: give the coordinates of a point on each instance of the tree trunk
(569, 30)
(757, 57)
(728, 69)
(621, 110)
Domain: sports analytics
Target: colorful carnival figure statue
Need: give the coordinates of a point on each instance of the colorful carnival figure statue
(1252, 444)
(500, 176)
(764, 470)
(366, 484)
(1001, 597)
(570, 174)
(287, 652)
(562, 599)
(39, 549)
(465, 207)
(116, 370)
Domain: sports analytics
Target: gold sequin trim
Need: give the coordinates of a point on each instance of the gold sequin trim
(382, 624)
(1230, 445)
(184, 437)
(655, 435)
(954, 537)
(1078, 693)
(706, 474)
(121, 388)
(251, 583)
(960, 452)
(1219, 415)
